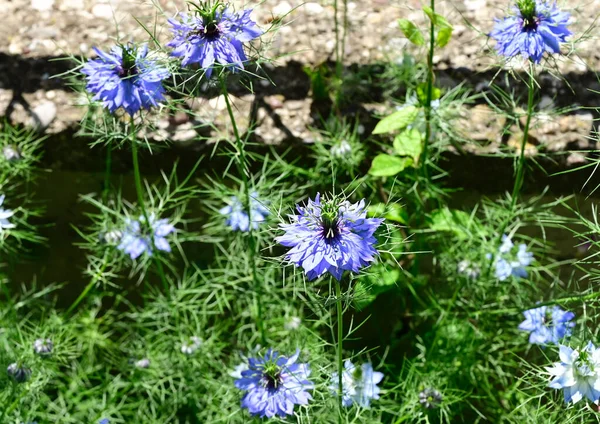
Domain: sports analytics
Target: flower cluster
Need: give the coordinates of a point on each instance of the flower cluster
(190, 347)
(214, 34)
(238, 219)
(274, 384)
(330, 236)
(547, 325)
(508, 263)
(137, 240)
(125, 78)
(536, 27)
(577, 373)
(359, 384)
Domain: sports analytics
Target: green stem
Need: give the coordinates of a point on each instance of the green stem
(430, 80)
(91, 285)
(252, 245)
(521, 166)
(140, 196)
(340, 339)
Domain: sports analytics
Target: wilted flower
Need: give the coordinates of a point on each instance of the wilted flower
(213, 34)
(547, 325)
(359, 384)
(430, 398)
(19, 373)
(191, 346)
(11, 153)
(111, 237)
(333, 236)
(43, 347)
(237, 218)
(4, 215)
(293, 323)
(274, 384)
(577, 373)
(142, 363)
(126, 78)
(537, 26)
(136, 238)
(466, 268)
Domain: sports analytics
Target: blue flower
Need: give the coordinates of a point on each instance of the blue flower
(237, 218)
(4, 215)
(536, 27)
(359, 384)
(136, 240)
(104, 421)
(125, 78)
(577, 373)
(507, 263)
(547, 325)
(274, 384)
(330, 237)
(213, 34)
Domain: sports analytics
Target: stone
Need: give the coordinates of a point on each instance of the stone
(282, 9)
(42, 5)
(312, 8)
(43, 114)
(102, 10)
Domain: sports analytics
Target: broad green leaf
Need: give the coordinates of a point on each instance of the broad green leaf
(437, 19)
(411, 32)
(451, 220)
(444, 36)
(391, 212)
(387, 166)
(397, 120)
(409, 143)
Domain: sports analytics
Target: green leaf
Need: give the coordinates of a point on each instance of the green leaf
(411, 31)
(451, 220)
(380, 280)
(436, 93)
(397, 120)
(437, 19)
(392, 212)
(409, 143)
(387, 165)
(444, 36)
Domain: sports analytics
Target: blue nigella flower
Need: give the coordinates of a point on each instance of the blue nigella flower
(213, 34)
(577, 373)
(125, 78)
(536, 27)
(237, 218)
(104, 421)
(136, 240)
(547, 325)
(332, 237)
(359, 384)
(4, 215)
(274, 384)
(507, 263)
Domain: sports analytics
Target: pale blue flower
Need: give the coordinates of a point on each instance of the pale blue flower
(547, 325)
(359, 384)
(4, 215)
(137, 240)
(237, 218)
(577, 373)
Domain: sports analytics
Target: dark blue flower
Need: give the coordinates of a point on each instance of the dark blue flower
(536, 27)
(237, 218)
(547, 325)
(125, 78)
(213, 34)
(331, 237)
(136, 239)
(274, 384)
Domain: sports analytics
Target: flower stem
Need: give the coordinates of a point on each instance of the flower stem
(140, 196)
(90, 286)
(340, 339)
(429, 98)
(521, 165)
(252, 245)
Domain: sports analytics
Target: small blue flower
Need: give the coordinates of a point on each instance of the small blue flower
(104, 421)
(507, 263)
(332, 237)
(237, 218)
(536, 27)
(136, 240)
(4, 215)
(503, 269)
(577, 373)
(547, 325)
(359, 384)
(213, 34)
(274, 384)
(126, 78)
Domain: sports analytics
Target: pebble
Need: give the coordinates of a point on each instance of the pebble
(282, 9)
(102, 10)
(312, 8)
(43, 115)
(42, 5)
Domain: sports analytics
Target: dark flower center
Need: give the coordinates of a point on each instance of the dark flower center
(128, 65)
(211, 30)
(528, 14)
(272, 376)
(530, 24)
(330, 221)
